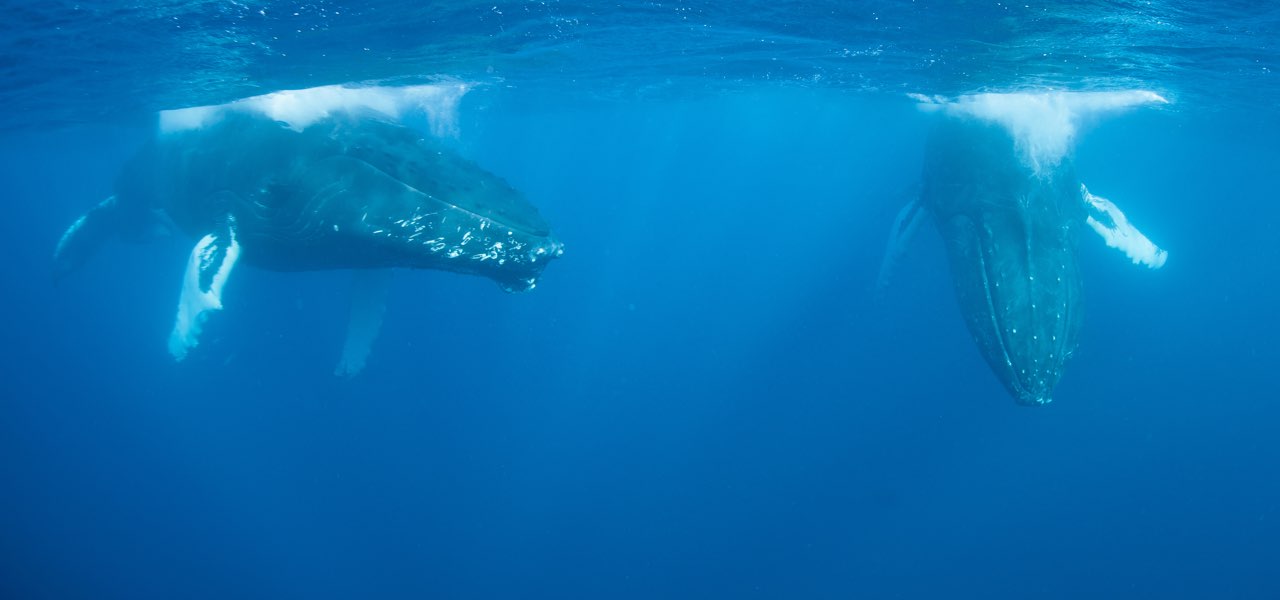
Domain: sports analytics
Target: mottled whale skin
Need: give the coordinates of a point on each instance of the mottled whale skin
(1011, 235)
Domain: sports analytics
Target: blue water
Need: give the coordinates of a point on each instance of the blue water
(704, 397)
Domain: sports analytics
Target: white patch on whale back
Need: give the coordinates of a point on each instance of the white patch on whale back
(195, 304)
(298, 109)
(1118, 233)
(1043, 124)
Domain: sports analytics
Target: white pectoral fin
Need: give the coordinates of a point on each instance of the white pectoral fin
(369, 289)
(904, 228)
(209, 266)
(1106, 219)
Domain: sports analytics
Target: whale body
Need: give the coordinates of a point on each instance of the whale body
(1011, 237)
(342, 185)
(1002, 188)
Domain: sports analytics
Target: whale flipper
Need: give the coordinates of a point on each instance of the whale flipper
(369, 288)
(904, 228)
(207, 270)
(85, 236)
(1106, 219)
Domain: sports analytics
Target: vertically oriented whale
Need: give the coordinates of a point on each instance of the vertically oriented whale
(1000, 183)
(322, 178)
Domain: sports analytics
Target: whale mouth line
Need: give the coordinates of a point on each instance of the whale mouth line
(492, 222)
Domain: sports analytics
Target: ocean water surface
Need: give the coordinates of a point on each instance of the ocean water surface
(706, 396)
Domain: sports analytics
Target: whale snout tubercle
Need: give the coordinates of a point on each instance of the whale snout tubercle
(1028, 399)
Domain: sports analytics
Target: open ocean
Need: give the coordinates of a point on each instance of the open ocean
(706, 396)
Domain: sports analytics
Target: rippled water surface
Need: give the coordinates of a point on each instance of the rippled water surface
(66, 61)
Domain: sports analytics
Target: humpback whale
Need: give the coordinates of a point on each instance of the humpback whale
(323, 178)
(1000, 184)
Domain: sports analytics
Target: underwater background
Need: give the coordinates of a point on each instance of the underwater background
(705, 397)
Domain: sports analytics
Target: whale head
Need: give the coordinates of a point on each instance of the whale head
(1011, 235)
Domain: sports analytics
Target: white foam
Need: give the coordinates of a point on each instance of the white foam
(195, 305)
(1044, 124)
(300, 108)
(1118, 233)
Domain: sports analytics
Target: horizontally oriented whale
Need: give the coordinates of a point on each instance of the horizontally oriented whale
(1003, 191)
(324, 178)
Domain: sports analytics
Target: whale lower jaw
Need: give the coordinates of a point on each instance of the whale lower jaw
(1018, 286)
